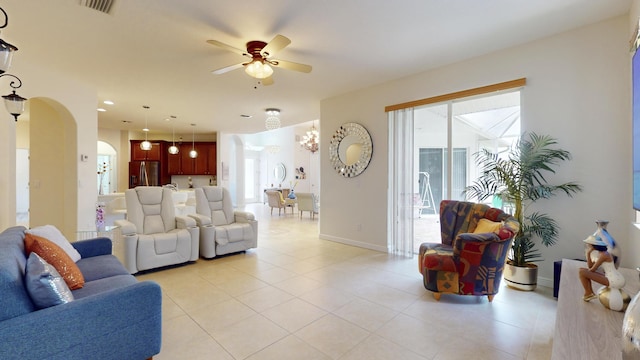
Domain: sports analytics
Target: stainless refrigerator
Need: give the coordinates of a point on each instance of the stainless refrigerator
(144, 173)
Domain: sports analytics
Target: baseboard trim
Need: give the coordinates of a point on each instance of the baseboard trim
(546, 282)
(353, 243)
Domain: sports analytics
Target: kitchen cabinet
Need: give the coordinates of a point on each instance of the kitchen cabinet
(180, 163)
(203, 164)
(137, 154)
(173, 161)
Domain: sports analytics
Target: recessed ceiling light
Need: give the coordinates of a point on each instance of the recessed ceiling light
(108, 102)
(101, 110)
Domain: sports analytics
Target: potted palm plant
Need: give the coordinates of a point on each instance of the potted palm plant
(518, 179)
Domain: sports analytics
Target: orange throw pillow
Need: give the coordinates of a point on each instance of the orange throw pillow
(58, 258)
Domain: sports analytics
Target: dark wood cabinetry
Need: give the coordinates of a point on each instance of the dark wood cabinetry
(137, 154)
(205, 163)
(180, 163)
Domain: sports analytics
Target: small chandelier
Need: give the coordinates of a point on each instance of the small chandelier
(193, 153)
(173, 149)
(145, 145)
(273, 121)
(311, 140)
(13, 102)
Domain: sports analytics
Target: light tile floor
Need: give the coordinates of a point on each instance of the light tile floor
(299, 297)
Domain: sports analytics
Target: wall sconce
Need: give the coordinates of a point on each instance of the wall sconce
(6, 49)
(13, 102)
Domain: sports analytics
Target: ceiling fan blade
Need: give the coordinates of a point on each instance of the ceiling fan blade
(278, 43)
(227, 69)
(228, 47)
(267, 81)
(289, 65)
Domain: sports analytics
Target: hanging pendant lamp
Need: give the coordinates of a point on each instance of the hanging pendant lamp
(173, 149)
(145, 145)
(193, 153)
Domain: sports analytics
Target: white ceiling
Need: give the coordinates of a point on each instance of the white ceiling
(154, 52)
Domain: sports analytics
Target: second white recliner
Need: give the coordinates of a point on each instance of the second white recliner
(232, 230)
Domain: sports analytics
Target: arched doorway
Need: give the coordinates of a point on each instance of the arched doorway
(107, 168)
(53, 170)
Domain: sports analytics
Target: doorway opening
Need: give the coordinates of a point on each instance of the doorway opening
(22, 187)
(107, 169)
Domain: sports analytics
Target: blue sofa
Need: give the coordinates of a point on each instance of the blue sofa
(114, 316)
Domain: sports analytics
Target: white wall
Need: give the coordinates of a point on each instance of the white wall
(291, 154)
(68, 98)
(577, 91)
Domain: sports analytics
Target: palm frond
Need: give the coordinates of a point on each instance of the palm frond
(519, 179)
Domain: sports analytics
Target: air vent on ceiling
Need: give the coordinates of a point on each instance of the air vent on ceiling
(104, 6)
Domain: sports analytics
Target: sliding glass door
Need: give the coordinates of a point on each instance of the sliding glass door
(446, 136)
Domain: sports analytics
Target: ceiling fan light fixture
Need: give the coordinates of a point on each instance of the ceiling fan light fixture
(258, 69)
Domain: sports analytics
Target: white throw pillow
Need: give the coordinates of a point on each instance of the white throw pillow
(54, 235)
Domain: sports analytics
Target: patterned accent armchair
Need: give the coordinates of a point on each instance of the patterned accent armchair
(467, 263)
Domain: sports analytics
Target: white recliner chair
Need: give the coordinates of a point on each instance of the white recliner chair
(232, 230)
(152, 235)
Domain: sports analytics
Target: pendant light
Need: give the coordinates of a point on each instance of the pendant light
(193, 153)
(273, 120)
(145, 145)
(173, 149)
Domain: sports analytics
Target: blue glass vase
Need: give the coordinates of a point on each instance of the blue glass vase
(291, 195)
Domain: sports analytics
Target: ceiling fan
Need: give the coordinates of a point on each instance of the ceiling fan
(261, 61)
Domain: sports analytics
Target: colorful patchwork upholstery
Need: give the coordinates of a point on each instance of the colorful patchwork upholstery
(466, 263)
